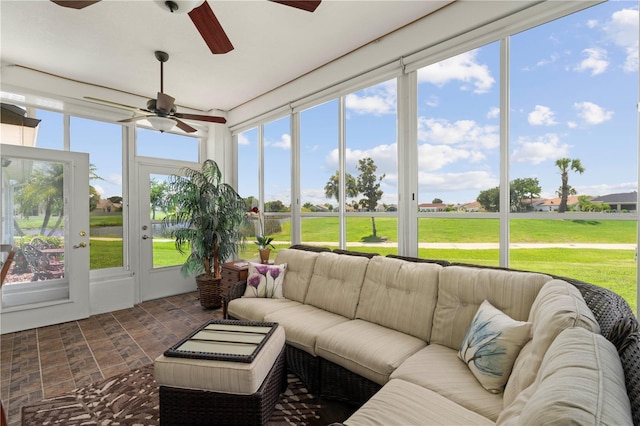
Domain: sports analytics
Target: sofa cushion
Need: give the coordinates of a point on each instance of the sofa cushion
(367, 349)
(580, 380)
(265, 280)
(303, 324)
(439, 369)
(300, 264)
(404, 403)
(336, 283)
(462, 289)
(400, 295)
(255, 309)
(559, 305)
(491, 345)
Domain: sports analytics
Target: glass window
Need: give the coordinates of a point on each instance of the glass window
(459, 155)
(319, 174)
(574, 135)
(371, 159)
(277, 180)
(103, 142)
(171, 146)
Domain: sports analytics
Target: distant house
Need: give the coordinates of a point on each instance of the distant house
(473, 206)
(107, 206)
(432, 207)
(619, 202)
(552, 204)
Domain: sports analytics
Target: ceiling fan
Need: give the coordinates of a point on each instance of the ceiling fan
(161, 112)
(202, 17)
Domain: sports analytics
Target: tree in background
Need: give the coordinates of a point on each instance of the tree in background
(332, 188)
(565, 165)
(159, 197)
(436, 201)
(489, 199)
(368, 185)
(523, 189)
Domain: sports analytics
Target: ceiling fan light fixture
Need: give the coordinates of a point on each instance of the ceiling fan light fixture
(162, 124)
(178, 6)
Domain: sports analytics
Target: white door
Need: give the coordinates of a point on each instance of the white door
(160, 261)
(45, 216)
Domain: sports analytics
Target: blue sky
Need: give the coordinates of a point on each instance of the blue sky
(574, 90)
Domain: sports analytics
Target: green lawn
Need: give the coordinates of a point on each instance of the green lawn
(613, 269)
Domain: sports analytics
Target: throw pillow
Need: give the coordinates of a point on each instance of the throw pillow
(491, 345)
(265, 280)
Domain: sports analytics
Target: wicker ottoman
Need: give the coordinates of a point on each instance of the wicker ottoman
(203, 388)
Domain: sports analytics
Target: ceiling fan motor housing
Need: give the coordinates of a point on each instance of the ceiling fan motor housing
(151, 106)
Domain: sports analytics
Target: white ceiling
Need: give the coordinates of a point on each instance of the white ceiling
(111, 44)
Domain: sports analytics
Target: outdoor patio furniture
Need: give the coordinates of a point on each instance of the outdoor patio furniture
(41, 264)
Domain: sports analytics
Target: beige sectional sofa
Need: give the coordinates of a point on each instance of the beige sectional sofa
(385, 333)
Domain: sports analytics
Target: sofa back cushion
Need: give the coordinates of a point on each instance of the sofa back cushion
(559, 305)
(462, 289)
(300, 264)
(336, 283)
(400, 295)
(580, 381)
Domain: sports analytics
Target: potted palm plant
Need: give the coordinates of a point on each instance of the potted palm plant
(206, 220)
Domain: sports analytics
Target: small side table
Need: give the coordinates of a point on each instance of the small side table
(232, 272)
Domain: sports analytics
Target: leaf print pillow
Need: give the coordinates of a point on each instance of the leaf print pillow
(491, 345)
(265, 280)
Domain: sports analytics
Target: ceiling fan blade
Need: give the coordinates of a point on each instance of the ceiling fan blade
(210, 29)
(75, 4)
(208, 118)
(308, 5)
(164, 102)
(115, 104)
(184, 126)
(136, 118)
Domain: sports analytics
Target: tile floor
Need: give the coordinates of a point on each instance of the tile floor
(48, 361)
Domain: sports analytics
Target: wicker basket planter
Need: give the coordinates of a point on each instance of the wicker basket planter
(209, 291)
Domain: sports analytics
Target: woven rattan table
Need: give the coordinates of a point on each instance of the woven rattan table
(226, 372)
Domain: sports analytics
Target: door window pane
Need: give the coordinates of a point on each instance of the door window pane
(277, 180)
(34, 219)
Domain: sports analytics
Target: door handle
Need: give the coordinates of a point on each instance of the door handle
(145, 237)
(81, 245)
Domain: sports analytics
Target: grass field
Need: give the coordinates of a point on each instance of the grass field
(613, 269)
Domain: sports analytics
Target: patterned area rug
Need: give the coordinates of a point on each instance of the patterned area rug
(132, 399)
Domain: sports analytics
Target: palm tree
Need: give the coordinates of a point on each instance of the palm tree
(566, 164)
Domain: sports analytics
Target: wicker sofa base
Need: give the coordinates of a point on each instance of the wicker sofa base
(305, 366)
(338, 383)
(197, 407)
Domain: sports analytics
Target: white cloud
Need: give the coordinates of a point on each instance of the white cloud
(544, 148)
(283, 143)
(377, 100)
(100, 189)
(592, 23)
(493, 112)
(623, 30)
(242, 139)
(604, 189)
(463, 68)
(385, 158)
(435, 157)
(467, 133)
(441, 182)
(596, 61)
(572, 124)
(592, 113)
(541, 116)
